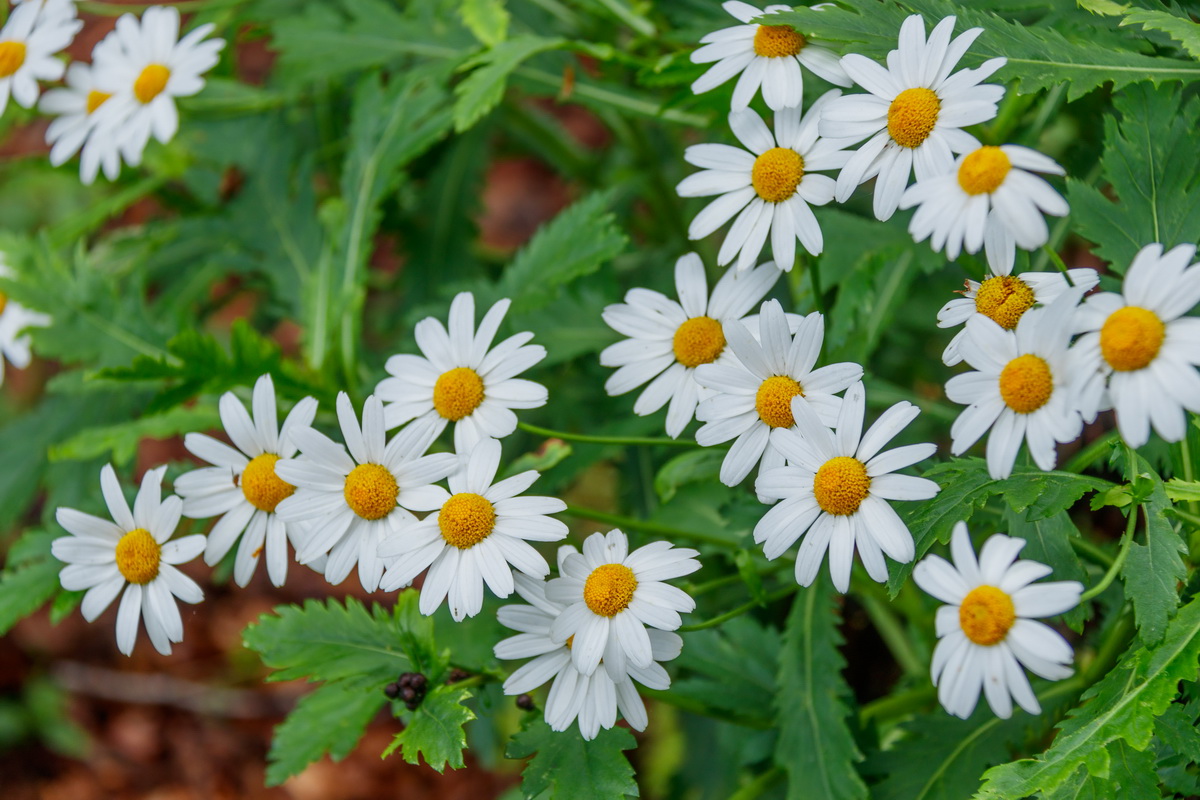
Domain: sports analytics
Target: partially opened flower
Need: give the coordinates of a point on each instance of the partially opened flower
(835, 491)
(914, 113)
(462, 378)
(612, 596)
(770, 56)
(593, 699)
(479, 531)
(134, 553)
(29, 41)
(14, 320)
(1138, 352)
(669, 339)
(353, 502)
(75, 128)
(241, 487)
(754, 396)
(988, 631)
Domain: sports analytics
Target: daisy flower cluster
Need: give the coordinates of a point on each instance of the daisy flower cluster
(108, 109)
(386, 507)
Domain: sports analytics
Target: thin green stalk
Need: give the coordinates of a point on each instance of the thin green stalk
(778, 594)
(618, 441)
(1090, 551)
(609, 97)
(698, 707)
(761, 783)
(814, 273)
(630, 17)
(898, 704)
(1090, 454)
(1056, 259)
(1186, 517)
(727, 580)
(888, 625)
(1118, 562)
(648, 527)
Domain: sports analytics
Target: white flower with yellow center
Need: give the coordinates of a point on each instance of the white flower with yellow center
(352, 503)
(75, 105)
(131, 553)
(769, 186)
(914, 113)
(835, 491)
(479, 529)
(462, 378)
(241, 487)
(1138, 352)
(769, 56)
(1023, 388)
(29, 41)
(754, 396)
(612, 595)
(1004, 298)
(988, 632)
(989, 198)
(143, 65)
(14, 320)
(593, 699)
(668, 340)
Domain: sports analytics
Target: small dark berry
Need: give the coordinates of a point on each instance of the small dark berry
(418, 681)
(392, 690)
(457, 675)
(411, 705)
(525, 702)
(408, 694)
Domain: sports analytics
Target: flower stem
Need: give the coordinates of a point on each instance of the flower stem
(1058, 262)
(619, 441)
(1118, 562)
(648, 527)
(1090, 454)
(778, 594)
(760, 784)
(887, 624)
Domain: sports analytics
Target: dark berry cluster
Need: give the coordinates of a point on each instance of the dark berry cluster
(410, 688)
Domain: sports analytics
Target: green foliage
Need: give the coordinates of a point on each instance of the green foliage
(1183, 491)
(721, 677)
(1153, 570)
(122, 439)
(815, 745)
(435, 730)
(483, 89)
(689, 467)
(330, 719)
(567, 766)
(487, 19)
(1179, 28)
(1049, 541)
(29, 579)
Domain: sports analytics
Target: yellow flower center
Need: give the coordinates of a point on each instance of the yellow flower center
(12, 56)
(777, 173)
(609, 589)
(261, 486)
(1131, 338)
(840, 486)
(151, 82)
(912, 115)
(138, 556)
(95, 99)
(983, 171)
(466, 519)
(1003, 299)
(775, 41)
(986, 614)
(774, 401)
(457, 393)
(371, 491)
(1026, 383)
(698, 341)
(3, 302)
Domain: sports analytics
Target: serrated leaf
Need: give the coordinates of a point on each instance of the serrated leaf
(689, 467)
(1152, 164)
(483, 89)
(122, 439)
(1182, 30)
(486, 19)
(330, 719)
(1106, 8)
(1121, 706)
(1049, 541)
(1183, 491)
(567, 766)
(30, 578)
(718, 674)
(1153, 570)
(435, 730)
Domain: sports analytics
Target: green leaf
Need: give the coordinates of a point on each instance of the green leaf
(30, 578)
(1179, 28)
(1152, 164)
(815, 745)
(567, 766)
(483, 89)
(719, 676)
(330, 719)
(1041, 495)
(550, 454)
(690, 467)
(435, 729)
(1049, 541)
(486, 19)
(1153, 570)
(122, 439)
(1121, 706)
(1183, 491)
(1104, 7)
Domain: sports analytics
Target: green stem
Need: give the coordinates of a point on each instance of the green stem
(1186, 517)
(630, 17)
(648, 527)
(698, 707)
(888, 625)
(814, 274)
(1118, 562)
(619, 441)
(1090, 454)
(1056, 259)
(1091, 551)
(1110, 649)
(778, 594)
(726, 580)
(600, 94)
(898, 705)
(761, 783)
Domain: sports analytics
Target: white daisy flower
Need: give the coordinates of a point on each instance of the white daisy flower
(754, 396)
(75, 105)
(669, 339)
(480, 529)
(132, 553)
(914, 113)
(1022, 389)
(836, 487)
(462, 378)
(594, 699)
(1004, 298)
(144, 66)
(989, 198)
(771, 183)
(353, 502)
(766, 55)
(29, 41)
(987, 632)
(612, 595)
(14, 320)
(1138, 352)
(241, 487)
